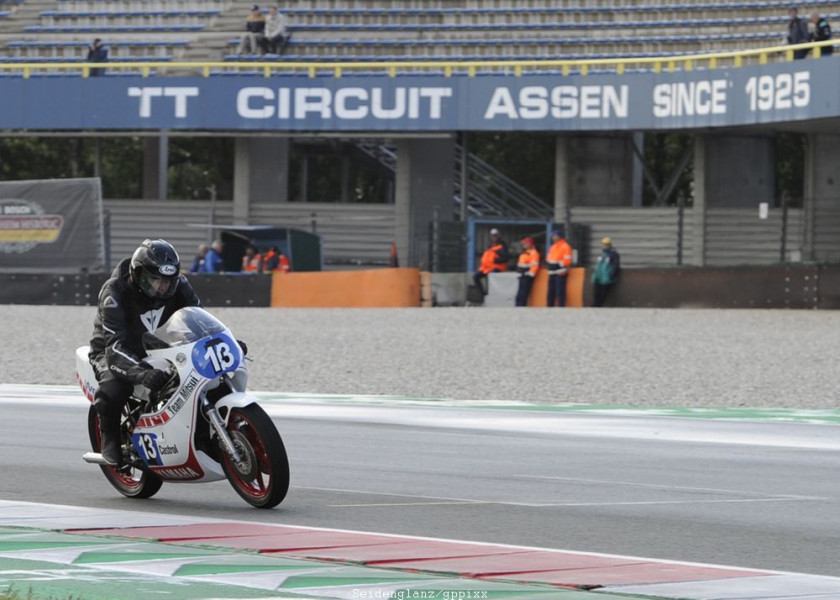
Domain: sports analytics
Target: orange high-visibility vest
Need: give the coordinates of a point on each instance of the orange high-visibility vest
(529, 262)
(559, 257)
(489, 258)
(252, 266)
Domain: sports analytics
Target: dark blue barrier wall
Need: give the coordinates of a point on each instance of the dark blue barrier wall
(83, 289)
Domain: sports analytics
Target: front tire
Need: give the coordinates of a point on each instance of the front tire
(129, 481)
(262, 477)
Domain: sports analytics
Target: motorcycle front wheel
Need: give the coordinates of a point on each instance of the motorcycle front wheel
(262, 476)
(129, 481)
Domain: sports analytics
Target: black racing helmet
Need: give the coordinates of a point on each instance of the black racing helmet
(156, 269)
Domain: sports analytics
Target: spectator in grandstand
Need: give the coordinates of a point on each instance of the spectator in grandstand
(558, 261)
(97, 53)
(822, 32)
(494, 260)
(276, 38)
(254, 35)
(197, 265)
(606, 272)
(797, 32)
(213, 262)
(528, 266)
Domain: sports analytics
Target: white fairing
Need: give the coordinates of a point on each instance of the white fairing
(164, 437)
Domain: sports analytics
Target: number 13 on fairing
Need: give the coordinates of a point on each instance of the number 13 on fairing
(216, 356)
(219, 355)
(779, 92)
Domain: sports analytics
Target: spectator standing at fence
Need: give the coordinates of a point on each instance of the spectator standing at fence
(213, 262)
(197, 265)
(606, 272)
(527, 266)
(558, 261)
(797, 32)
(97, 53)
(494, 260)
(822, 32)
(254, 35)
(275, 260)
(275, 32)
(252, 261)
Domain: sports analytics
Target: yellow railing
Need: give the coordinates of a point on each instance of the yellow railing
(513, 66)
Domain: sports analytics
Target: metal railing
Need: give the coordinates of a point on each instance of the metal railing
(515, 68)
(491, 192)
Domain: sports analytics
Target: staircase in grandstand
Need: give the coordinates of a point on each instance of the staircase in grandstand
(491, 193)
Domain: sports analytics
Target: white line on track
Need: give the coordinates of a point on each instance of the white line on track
(448, 500)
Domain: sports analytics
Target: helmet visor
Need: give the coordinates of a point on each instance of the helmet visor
(157, 286)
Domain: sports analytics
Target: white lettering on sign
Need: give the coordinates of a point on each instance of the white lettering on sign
(695, 98)
(560, 102)
(147, 94)
(351, 103)
(780, 92)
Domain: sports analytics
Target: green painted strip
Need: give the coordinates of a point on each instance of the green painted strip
(319, 581)
(111, 557)
(797, 415)
(19, 546)
(221, 569)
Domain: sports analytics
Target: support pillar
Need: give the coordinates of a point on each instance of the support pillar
(821, 195)
(260, 173)
(155, 167)
(423, 187)
(698, 232)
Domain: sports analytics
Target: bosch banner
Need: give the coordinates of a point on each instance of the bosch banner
(52, 226)
(779, 92)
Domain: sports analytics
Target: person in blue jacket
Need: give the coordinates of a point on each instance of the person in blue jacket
(213, 262)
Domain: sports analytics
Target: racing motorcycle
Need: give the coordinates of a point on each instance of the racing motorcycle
(201, 427)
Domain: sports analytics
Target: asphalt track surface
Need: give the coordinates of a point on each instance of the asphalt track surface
(761, 495)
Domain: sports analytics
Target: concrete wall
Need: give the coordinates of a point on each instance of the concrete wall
(594, 170)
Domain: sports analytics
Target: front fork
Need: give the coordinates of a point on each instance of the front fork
(214, 418)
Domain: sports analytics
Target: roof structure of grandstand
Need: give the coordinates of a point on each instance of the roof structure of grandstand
(407, 30)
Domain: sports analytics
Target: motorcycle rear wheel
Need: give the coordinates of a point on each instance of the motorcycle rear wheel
(129, 481)
(262, 477)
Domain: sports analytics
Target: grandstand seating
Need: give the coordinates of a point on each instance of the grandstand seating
(397, 30)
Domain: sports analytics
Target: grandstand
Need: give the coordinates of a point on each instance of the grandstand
(206, 32)
(379, 30)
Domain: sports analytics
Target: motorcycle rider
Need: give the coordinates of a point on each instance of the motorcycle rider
(141, 295)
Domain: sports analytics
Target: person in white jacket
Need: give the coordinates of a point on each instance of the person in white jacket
(275, 32)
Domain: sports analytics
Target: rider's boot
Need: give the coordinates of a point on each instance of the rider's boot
(109, 432)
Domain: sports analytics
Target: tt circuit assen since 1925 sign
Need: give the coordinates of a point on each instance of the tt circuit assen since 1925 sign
(798, 90)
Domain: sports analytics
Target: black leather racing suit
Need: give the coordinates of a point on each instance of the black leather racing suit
(116, 349)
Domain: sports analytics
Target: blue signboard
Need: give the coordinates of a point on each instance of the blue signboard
(799, 90)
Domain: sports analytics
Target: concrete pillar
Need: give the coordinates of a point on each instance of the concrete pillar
(155, 165)
(424, 186)
(593, 170)
(698, 232)
(821, 194)
(561, 179)
(260, 173)
(741, 171)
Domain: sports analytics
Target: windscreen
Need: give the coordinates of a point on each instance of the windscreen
(185, 326)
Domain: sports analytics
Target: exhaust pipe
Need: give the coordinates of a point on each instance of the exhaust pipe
(95, 458)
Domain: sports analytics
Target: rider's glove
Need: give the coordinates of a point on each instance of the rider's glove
(243, 346)
(155, 380)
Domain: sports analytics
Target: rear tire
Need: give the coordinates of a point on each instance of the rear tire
(262, 478)
(129, 481)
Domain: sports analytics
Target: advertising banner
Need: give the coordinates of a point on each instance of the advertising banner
(52, 226)
(700, 98)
